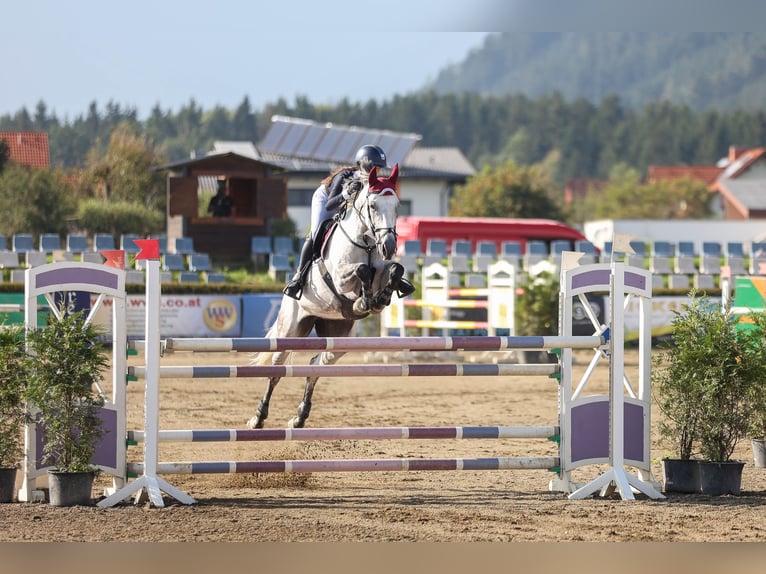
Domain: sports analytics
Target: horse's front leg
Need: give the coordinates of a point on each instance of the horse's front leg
(363, 303)
(389, 279)
(304, 408)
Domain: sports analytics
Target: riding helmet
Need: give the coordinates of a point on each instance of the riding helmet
(370, 155)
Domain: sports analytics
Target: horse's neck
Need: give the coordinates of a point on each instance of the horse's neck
(355, 222)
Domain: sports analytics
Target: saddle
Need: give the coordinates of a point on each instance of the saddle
(325, 231)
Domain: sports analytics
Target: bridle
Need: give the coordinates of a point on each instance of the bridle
(367, 220)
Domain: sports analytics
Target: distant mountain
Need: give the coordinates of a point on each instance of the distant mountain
(701, 69)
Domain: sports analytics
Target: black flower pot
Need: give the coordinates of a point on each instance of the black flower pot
(70, 488)
(681, 475)
(7, 484)
(717, 478)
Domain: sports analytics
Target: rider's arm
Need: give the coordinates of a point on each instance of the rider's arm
(336, 195)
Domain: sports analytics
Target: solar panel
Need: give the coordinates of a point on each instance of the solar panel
(326, 146)
(309, 142)
(273, 137)
(350, 141)
(292, 138)
(334, 143)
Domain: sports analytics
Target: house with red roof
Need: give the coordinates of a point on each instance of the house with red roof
(27, 148)
(741, 186)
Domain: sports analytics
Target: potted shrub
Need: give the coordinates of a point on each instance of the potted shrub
(756, 322)
(704, 385)
(13, 411)
(66, 361)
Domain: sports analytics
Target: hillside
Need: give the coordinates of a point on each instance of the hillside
(702, 70)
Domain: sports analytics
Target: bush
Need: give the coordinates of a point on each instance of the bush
(118, 217)
(707, 379)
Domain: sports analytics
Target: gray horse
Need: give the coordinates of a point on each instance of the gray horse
(352, 277)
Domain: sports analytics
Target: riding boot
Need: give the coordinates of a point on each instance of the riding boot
(405, 287)
(294, 287)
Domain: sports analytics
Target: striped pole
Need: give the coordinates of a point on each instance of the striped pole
(464, 343)
(432, 370)
(353, 465)
(352, 433)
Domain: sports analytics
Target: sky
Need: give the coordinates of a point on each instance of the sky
(143, 53)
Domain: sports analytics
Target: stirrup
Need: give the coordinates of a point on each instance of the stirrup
(294, 289)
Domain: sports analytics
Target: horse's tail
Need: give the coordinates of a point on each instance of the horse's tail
(264, 357)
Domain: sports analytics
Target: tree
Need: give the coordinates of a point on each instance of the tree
(626, 197)
(34, 201)
(125, 172)
(508, 190)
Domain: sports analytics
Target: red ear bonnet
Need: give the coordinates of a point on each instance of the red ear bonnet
(385, 185)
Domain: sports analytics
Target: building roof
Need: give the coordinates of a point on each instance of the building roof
(437, 161)
(28, 148)
(750, 194)
(334, 144)
(705, 173)
(216, 161)
(742, 163)
(305, 146)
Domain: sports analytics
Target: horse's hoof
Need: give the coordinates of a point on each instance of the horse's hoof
(360, 307)
(255, 423)
(295, 423)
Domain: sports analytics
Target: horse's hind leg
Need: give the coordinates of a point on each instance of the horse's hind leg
(324, 329)
(262, 411)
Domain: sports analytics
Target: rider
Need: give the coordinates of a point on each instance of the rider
(327, 200)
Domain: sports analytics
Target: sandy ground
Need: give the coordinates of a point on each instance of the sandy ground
(468, 506)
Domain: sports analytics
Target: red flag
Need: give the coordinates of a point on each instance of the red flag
(149, 248)
(114, 258)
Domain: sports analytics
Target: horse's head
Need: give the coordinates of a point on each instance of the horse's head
(380, 209)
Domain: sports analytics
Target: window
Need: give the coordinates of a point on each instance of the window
(405, 207)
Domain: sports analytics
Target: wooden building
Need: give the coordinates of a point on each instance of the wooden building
(258, 190)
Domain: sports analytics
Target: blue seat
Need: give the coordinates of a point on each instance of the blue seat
(23, 242)
(76, 243)
(585, 246)
(173, 262)
(412, 247)
(461, 247)
(50, 242)
(712, 248)
(686, 248)
(260, 245)
(558, 246)
(127, 244)
(183, 245)
(510, 249)
(663, 249)
(284, 245)
(199, 262)
(735, 249)
(488, 248)
(103, 241)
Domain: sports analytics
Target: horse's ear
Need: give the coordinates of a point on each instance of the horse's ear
(373, 176)
(392, 179)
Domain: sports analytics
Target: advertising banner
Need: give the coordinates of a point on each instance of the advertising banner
(181, 315)
(259, 312)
